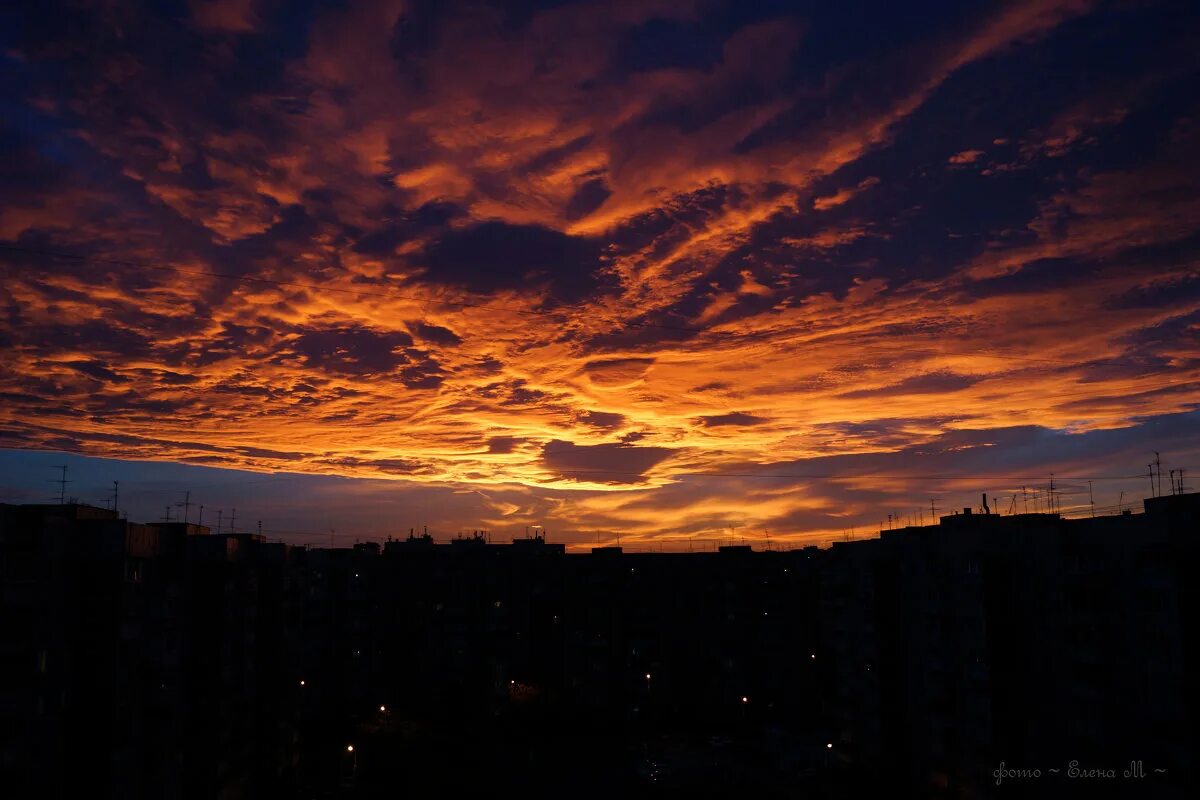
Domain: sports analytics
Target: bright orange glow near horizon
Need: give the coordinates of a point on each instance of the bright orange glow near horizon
(591, 281)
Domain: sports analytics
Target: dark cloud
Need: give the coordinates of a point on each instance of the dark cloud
(491, 256)
(617, 371)
(735, 418)
(662, 44)
(393, 466)
(518, 394)
(353, 351)
(554, 156)
(435, 334)
(97, 370)
(601, 419)
(887, 433)
(100, 338)
(421, 223)
(929, 383)
(168, 377)
(502, 444)
(425, 375)
(587, 198)
(665, 227)
(602, 463)
(1183, 290)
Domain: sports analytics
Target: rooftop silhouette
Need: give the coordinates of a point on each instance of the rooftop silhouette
(162, 659)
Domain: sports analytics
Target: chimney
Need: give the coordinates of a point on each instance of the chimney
(986, 510)
(966, 511)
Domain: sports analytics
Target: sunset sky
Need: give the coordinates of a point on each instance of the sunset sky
(674, 270)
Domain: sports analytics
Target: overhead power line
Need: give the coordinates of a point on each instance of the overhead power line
(1031, 481)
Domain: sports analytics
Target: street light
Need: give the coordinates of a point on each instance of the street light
(383, 708)
(349, 748)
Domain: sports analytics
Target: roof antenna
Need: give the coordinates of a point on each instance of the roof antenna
(185, 505)
(1158, 463)
(1150, 467)
(1091, 499)
(62, 484)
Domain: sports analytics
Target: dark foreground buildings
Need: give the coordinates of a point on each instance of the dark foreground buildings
(987, 656)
